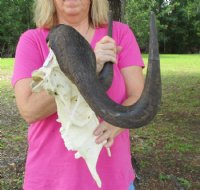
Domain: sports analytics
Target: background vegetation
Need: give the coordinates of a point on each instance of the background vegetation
(178, 23)
(15, 17)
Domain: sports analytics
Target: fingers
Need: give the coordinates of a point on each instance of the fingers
(107, 39)
(103, 56)
(106, 50)
(104, 135)
(119, 48)
(106, 46)
(109, 142)
(110, 44)
(100, 129)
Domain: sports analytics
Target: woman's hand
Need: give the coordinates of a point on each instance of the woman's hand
(105, 50)
(106, 132)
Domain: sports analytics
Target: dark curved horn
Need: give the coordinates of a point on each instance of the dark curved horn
(77, 61)
(106, 75)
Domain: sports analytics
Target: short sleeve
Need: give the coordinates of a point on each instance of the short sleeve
(130, 54)
(27, 57)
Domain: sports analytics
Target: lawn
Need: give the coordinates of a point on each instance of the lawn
(166, 152)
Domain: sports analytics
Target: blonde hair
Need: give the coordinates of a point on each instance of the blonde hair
(45, 13)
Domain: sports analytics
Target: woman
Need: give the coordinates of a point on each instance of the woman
(49, 165)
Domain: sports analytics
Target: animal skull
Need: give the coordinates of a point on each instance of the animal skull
(77, 119)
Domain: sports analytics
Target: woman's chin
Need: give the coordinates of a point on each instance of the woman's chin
(72, 12)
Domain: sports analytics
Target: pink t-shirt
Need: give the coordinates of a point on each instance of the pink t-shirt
(49, 165)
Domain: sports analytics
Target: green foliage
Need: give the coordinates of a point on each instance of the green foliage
(179, 180)
(182, 27)
(137, 16)
(178, 22)
(164, 177)
(184, 182)
(15, 17)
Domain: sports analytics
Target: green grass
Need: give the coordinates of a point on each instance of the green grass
(180, 107)
(6, 65)
(183, 182)
(168, 146)
(12, 132)
(171, 142)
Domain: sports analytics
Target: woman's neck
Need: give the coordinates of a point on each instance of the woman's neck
(82, 26)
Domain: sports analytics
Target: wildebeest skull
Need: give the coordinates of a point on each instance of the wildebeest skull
(71, 49)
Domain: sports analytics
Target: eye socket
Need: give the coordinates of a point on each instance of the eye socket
(38, 76)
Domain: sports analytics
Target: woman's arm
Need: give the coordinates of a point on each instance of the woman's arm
(33, 106)
(134, 81)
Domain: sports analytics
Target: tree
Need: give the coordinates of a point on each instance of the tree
(15, 17)
(137, 16)
(183, 29)
(178, 22)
